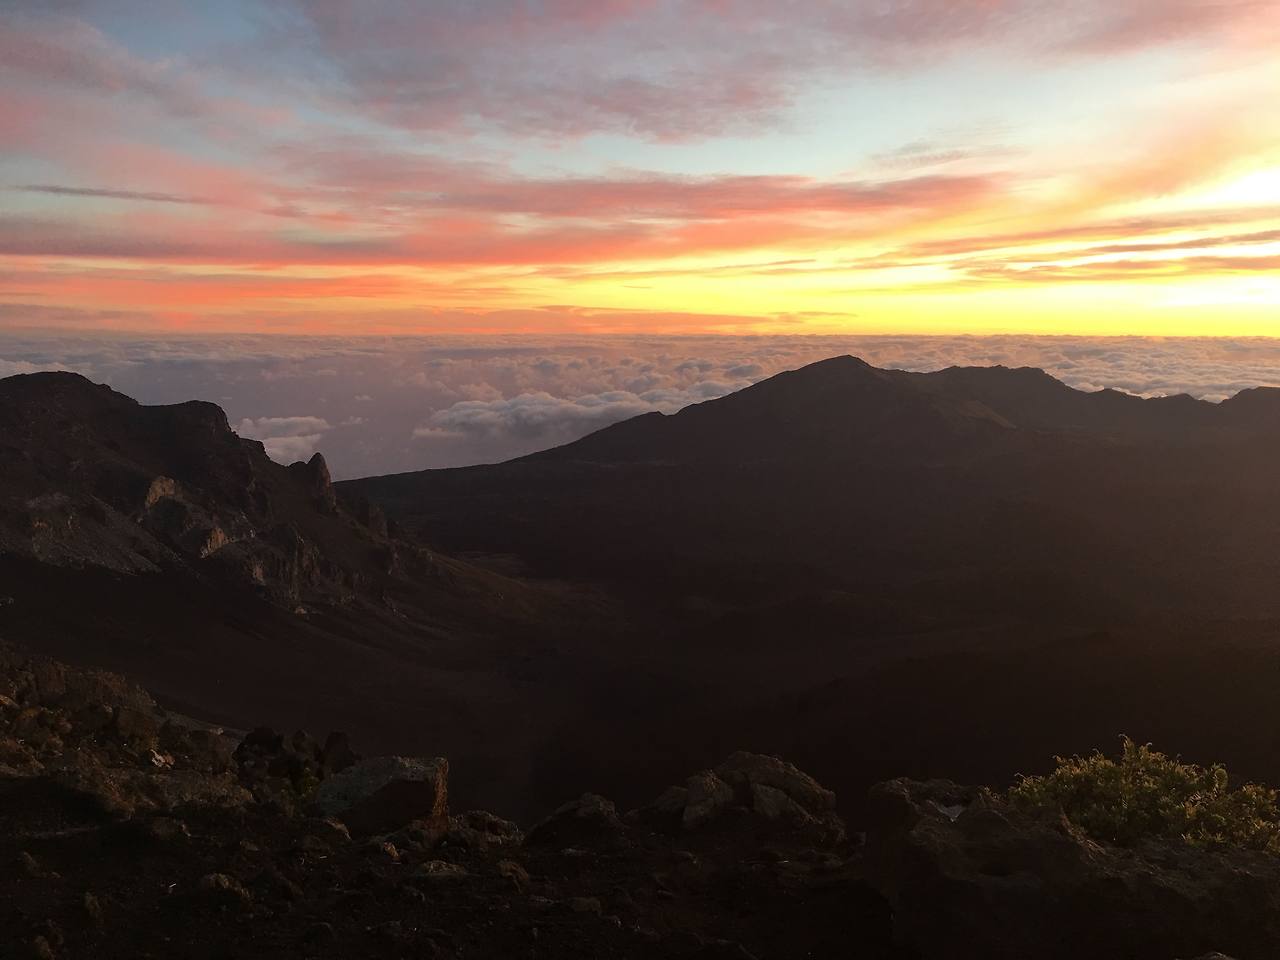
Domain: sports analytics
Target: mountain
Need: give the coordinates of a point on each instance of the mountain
(879, 573)
(983, 481)
(871, 572)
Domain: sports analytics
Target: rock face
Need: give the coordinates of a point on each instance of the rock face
(313, 477)
(94, 479)
(970, 878)
(382, 794)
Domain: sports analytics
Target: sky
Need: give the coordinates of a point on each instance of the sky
(640, 168)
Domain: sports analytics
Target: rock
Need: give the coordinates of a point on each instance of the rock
(767, 786)
(586, 905)
(671, 803)
(165, 831)
(277, 884)
(337, 755)
(210, 750)
(968, 877)
(517, 874)
(159, 488)
(744, 770)
(706, 797)
(331, 830)
(30, 865)
(224, 889)
(477, 830)
(380, 849)
(493, 827)
(42, 949)
(93, 909)
(314, 477)
(440, 870)
(382, 794)
(772, 804)
(587, 820)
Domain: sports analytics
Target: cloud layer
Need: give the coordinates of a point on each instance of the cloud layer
(382, 405)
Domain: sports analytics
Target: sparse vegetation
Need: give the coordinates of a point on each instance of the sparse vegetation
(1147, 795)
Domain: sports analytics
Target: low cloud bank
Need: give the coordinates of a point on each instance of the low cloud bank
(381, 405)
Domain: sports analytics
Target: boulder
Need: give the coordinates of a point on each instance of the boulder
(745, 771)
(766, 786)
(140, 728)
(385, 793)
(337, 755)
(706, 796)
(969, 877)
(588, 820)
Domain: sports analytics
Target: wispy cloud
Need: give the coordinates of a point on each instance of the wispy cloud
(106, 194)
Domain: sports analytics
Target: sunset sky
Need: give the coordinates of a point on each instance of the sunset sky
(590, 166)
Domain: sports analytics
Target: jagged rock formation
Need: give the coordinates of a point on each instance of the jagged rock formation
(94, 479)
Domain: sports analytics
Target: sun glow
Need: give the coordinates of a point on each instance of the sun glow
(885, 188)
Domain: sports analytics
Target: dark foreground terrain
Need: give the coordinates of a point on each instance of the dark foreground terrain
(127, 831)
(884, 578)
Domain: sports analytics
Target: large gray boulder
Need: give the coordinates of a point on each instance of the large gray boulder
(385, 793)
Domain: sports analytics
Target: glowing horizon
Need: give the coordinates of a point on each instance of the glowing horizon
(565, 166)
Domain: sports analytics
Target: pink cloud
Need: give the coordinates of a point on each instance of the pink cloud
(581, 221)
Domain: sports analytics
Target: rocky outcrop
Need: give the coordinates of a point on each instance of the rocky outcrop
(94, 479)
(104, 740)
(384, 793)
(968, 877)
(313, 477)
(591, 819)
(764, 786)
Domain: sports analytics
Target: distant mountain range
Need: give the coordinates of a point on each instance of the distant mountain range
(871, 572)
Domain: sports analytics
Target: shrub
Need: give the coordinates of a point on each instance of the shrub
(1145, 794)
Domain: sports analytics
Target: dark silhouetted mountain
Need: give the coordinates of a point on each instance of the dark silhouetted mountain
(1003, 488)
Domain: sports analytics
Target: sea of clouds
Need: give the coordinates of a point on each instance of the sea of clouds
(378, 405)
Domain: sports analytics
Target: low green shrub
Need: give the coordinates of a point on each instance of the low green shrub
(1145, 794)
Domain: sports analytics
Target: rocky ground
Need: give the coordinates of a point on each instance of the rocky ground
(129, 832)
